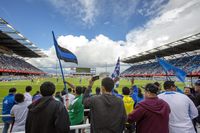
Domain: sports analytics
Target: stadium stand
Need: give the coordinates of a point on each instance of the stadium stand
(13, 48)
(184, 54)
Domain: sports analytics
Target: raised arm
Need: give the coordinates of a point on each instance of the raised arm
(86, 97)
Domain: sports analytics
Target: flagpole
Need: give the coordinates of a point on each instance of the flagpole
(63, 76)
(61, 68)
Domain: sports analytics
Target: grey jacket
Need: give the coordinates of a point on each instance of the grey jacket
(107, 111)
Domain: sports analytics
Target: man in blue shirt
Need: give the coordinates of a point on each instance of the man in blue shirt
(8, 103)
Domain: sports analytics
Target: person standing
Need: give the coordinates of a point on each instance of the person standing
(129, 106)
(76, 108)
(152, 114)
(182, 108)
(108, 114)
(8, 103)
(19, 112)
(47, 115)
(27, 95)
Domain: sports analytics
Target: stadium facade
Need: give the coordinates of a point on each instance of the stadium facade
(183, 53)
(14, 48)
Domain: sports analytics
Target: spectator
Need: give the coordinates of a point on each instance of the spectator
(8, 103)
(36, 96)
(19, 112)
(152, 114)
(197, 98)
(128, 101)
(107, 111)
(47, 115)
(129, 105)
(58, 96)
(27, 95)
(98, 91)
(140, 96)
(159, 87)
(187, 91)
(71, 96)
(76, 108)
(182, 108)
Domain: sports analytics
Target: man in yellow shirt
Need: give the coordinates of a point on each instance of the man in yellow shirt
(129, 106)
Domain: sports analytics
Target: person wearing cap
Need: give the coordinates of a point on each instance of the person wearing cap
(182, 108)
(152, 114)
(47, 115)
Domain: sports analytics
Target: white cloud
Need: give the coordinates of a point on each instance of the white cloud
(179, 18)
(86, 10)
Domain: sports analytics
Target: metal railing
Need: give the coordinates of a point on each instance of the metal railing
(75, 127)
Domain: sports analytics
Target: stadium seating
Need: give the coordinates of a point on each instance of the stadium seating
(190, 64)
(16, 65)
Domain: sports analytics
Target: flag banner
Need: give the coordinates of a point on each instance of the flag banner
(180, 74)
(116, 72)
(64, 54)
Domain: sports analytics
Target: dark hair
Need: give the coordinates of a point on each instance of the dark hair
(125, 91)
(63, 92)
(98, 90)
(108, 84)
(79, 90)
(19, 98)
(83, 89)
(197, 83)
(157, 84)
(36, 93)
(12, 90)
(140, 95)
(115, 91)
(28, 88)
(151, 88)
(168, 84)
(58, 93)
(69, 90)
(47, 88)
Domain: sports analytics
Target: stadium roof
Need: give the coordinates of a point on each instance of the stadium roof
(185, 45)
(20, 45)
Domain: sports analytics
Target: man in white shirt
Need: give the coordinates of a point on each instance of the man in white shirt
(19, 111)
(27, 95)
(182, 108)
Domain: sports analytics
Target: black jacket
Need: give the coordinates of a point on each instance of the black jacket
(108, 114)
(47, 116)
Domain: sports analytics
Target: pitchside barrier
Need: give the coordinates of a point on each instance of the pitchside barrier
(76, 127)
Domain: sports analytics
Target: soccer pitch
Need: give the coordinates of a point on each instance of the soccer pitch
(21, 84)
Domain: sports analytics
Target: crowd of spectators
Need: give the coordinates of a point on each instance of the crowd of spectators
(189, 64)
(157, 110)
(14, 63)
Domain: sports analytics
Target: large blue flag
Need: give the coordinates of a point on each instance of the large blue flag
(180, 74)
(63, 53)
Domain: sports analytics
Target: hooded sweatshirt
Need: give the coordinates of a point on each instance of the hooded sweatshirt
(151, 116)
(108, 114)
(47, 116)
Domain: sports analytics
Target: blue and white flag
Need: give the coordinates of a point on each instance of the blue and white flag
(180, 74)
(115, 75)
(116, 72)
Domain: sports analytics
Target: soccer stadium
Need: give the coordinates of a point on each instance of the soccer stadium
(155, 90)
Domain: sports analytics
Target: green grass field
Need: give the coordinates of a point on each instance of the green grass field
(20, 85)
